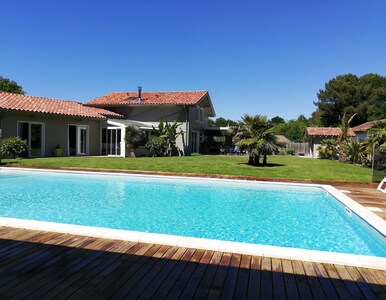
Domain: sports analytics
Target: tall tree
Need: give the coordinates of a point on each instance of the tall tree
(10, 86)
(364, 96)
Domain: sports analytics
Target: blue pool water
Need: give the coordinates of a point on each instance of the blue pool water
(278, 215)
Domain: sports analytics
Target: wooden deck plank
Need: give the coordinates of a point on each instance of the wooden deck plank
(352, 287)
(301, 280)
(328, 287)
(313, 281)
(72, 271)
(102, 272)
(182, 280)
(266, 279)
(231, 278)
(371, 279)
(243, 278)
(82, 282)
(195, 279)
(361, 282)
(16, 276)
(150, 274)
(278, 279)
(43, 275)
(127, 270)
(210, 272)
(168, 267)
(170, 280)
(218, 282)
(138, 271)
(38, 265)
(254, 285)
(51, 275)
(289, 280)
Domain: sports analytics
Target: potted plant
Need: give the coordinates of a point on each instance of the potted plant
(58, 152)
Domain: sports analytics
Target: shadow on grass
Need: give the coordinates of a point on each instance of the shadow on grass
(268, 165)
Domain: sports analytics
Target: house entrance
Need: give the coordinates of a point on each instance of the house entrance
(77, 140)
(33, 134)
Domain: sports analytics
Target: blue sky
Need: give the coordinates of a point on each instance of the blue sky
(257, 57)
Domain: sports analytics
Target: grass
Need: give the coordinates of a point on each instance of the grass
(288, 167)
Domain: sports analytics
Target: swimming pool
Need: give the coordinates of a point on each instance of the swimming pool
(284, 215)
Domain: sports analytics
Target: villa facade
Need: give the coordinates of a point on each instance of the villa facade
(98, 127)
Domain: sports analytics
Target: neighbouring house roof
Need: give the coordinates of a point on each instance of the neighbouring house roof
(153, 98)
(18, 102)
(366, 126)
(326, 131)
(282, 139)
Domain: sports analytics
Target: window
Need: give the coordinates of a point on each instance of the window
(200, 114)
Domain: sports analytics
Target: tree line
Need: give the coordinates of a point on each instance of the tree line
(344, 95)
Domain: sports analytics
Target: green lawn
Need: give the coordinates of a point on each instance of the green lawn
(288, 167)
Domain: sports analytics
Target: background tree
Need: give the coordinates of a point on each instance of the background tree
(9, 86)
(365, 96)
(222, 122)
(277, 120)
(293, 129)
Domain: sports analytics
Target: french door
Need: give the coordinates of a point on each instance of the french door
(77, 140)
(33, 133)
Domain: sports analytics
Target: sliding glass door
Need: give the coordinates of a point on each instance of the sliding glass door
(111, 141)
(33, 134)
(77, 140)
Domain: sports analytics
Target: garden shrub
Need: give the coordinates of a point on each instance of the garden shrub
(13, 147)
(329, 149)
(156, 145)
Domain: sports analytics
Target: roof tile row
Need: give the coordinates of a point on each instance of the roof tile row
(28, 103)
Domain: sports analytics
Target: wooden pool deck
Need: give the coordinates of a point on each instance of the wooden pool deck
(43, 265)
(46, 265)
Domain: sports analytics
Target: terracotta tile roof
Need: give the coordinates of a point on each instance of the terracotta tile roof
(149, 98)
(28, 103)
(326, 131)
(282, 139)
(366, 126)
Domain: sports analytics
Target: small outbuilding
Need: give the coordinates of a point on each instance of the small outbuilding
(363, 130)
(315, 136)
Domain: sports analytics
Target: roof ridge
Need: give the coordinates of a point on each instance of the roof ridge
(196, 91)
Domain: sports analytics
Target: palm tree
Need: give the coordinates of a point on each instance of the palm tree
(168, 132)
(344, 136)
(255, 135)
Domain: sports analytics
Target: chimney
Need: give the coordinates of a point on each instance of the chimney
(139, 94)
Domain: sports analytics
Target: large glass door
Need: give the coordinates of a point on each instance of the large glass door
(111, 141)
(77, 140)
(33, 134)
